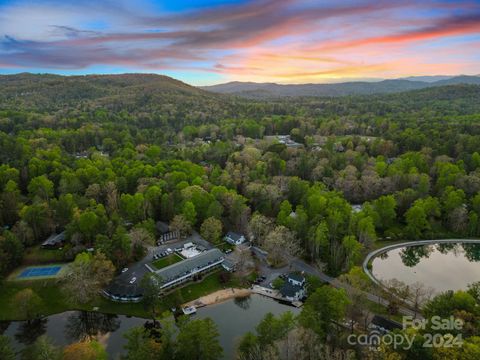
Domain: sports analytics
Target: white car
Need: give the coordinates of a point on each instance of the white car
(124, 270)
(169, 251)
(133, 280)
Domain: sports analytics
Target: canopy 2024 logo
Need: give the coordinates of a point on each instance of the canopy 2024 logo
(405, 339)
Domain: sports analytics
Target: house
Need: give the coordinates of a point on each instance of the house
(183, 271)
(229, 265)
(285, 140)
(383, 324)
(54, 241)
(292, 292)
(296, 279)
(356, 208)
(234, 238)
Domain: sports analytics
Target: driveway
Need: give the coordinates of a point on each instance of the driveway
(297, 264)
(121, 287)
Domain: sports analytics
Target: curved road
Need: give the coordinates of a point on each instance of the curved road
(300, 265)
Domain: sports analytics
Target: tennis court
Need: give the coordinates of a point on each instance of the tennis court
(40, 271)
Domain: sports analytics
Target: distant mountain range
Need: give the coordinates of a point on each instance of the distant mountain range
(272, 90)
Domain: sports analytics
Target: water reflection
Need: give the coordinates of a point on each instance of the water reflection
(412, 255)
(232, 318)
(472, 252)
(30, 330)
(4, 326)
(85, 325)
(243, 302)
(444, 267)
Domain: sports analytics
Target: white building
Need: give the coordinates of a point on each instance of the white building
(234, 238)
(296, 279)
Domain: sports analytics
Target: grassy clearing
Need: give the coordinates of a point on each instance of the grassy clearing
(166, 261)
(223, 245)
(37, 255)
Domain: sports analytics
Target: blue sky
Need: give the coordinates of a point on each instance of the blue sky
(211, 41)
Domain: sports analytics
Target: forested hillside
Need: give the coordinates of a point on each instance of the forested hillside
(131, 149)
(253, 90)
(106, 157)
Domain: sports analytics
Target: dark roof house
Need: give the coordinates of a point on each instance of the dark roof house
(234, 238)
(54, 241)
(384, 323)
(296, 279)
(292, 292)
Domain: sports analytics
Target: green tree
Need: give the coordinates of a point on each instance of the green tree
(322, 308)
(87, 276)
(38, 217)
(151, 294)
(6, 348)
(41, 349)
(28, 303)
(211, 230)
(182, 225)
(189, 213)
(198, 340)
(41, 187)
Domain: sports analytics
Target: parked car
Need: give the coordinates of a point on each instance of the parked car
(228, 251)
(169, 251)
(124, 270)
(133, 280)
(155, 256)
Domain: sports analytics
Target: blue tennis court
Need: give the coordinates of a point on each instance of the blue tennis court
(42, 271)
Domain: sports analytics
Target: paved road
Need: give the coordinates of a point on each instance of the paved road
(300, 265)
(121, 283)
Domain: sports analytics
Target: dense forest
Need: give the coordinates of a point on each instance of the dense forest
(105, 157)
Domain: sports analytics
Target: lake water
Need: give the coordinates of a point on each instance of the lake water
(234, 318)
(442, 266)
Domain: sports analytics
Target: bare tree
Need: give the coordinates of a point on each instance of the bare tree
(281, 245)
(419, 294)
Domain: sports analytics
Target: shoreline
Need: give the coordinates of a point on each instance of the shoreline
(219, 296)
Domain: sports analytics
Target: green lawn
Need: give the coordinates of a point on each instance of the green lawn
(37, 255)
(166, 261)
(223, 245)
(54, 300)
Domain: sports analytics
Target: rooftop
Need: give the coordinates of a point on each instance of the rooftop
(296, 277)
(187, 266)
(289, 290)
(233, 235)
(54, 239)
(386, 323)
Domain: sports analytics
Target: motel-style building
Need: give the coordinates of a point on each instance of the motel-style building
(183, 271)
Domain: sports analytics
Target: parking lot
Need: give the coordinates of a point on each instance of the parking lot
(126, 286)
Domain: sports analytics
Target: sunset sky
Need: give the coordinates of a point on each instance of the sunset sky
(212, 41)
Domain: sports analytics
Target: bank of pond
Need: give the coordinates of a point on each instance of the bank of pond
(234, 318)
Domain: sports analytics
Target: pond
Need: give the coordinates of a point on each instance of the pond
(446, 266)
(233, 318)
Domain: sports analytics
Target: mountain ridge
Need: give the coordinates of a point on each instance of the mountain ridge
(274, 90)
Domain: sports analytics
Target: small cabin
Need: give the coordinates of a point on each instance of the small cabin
(234, 238)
